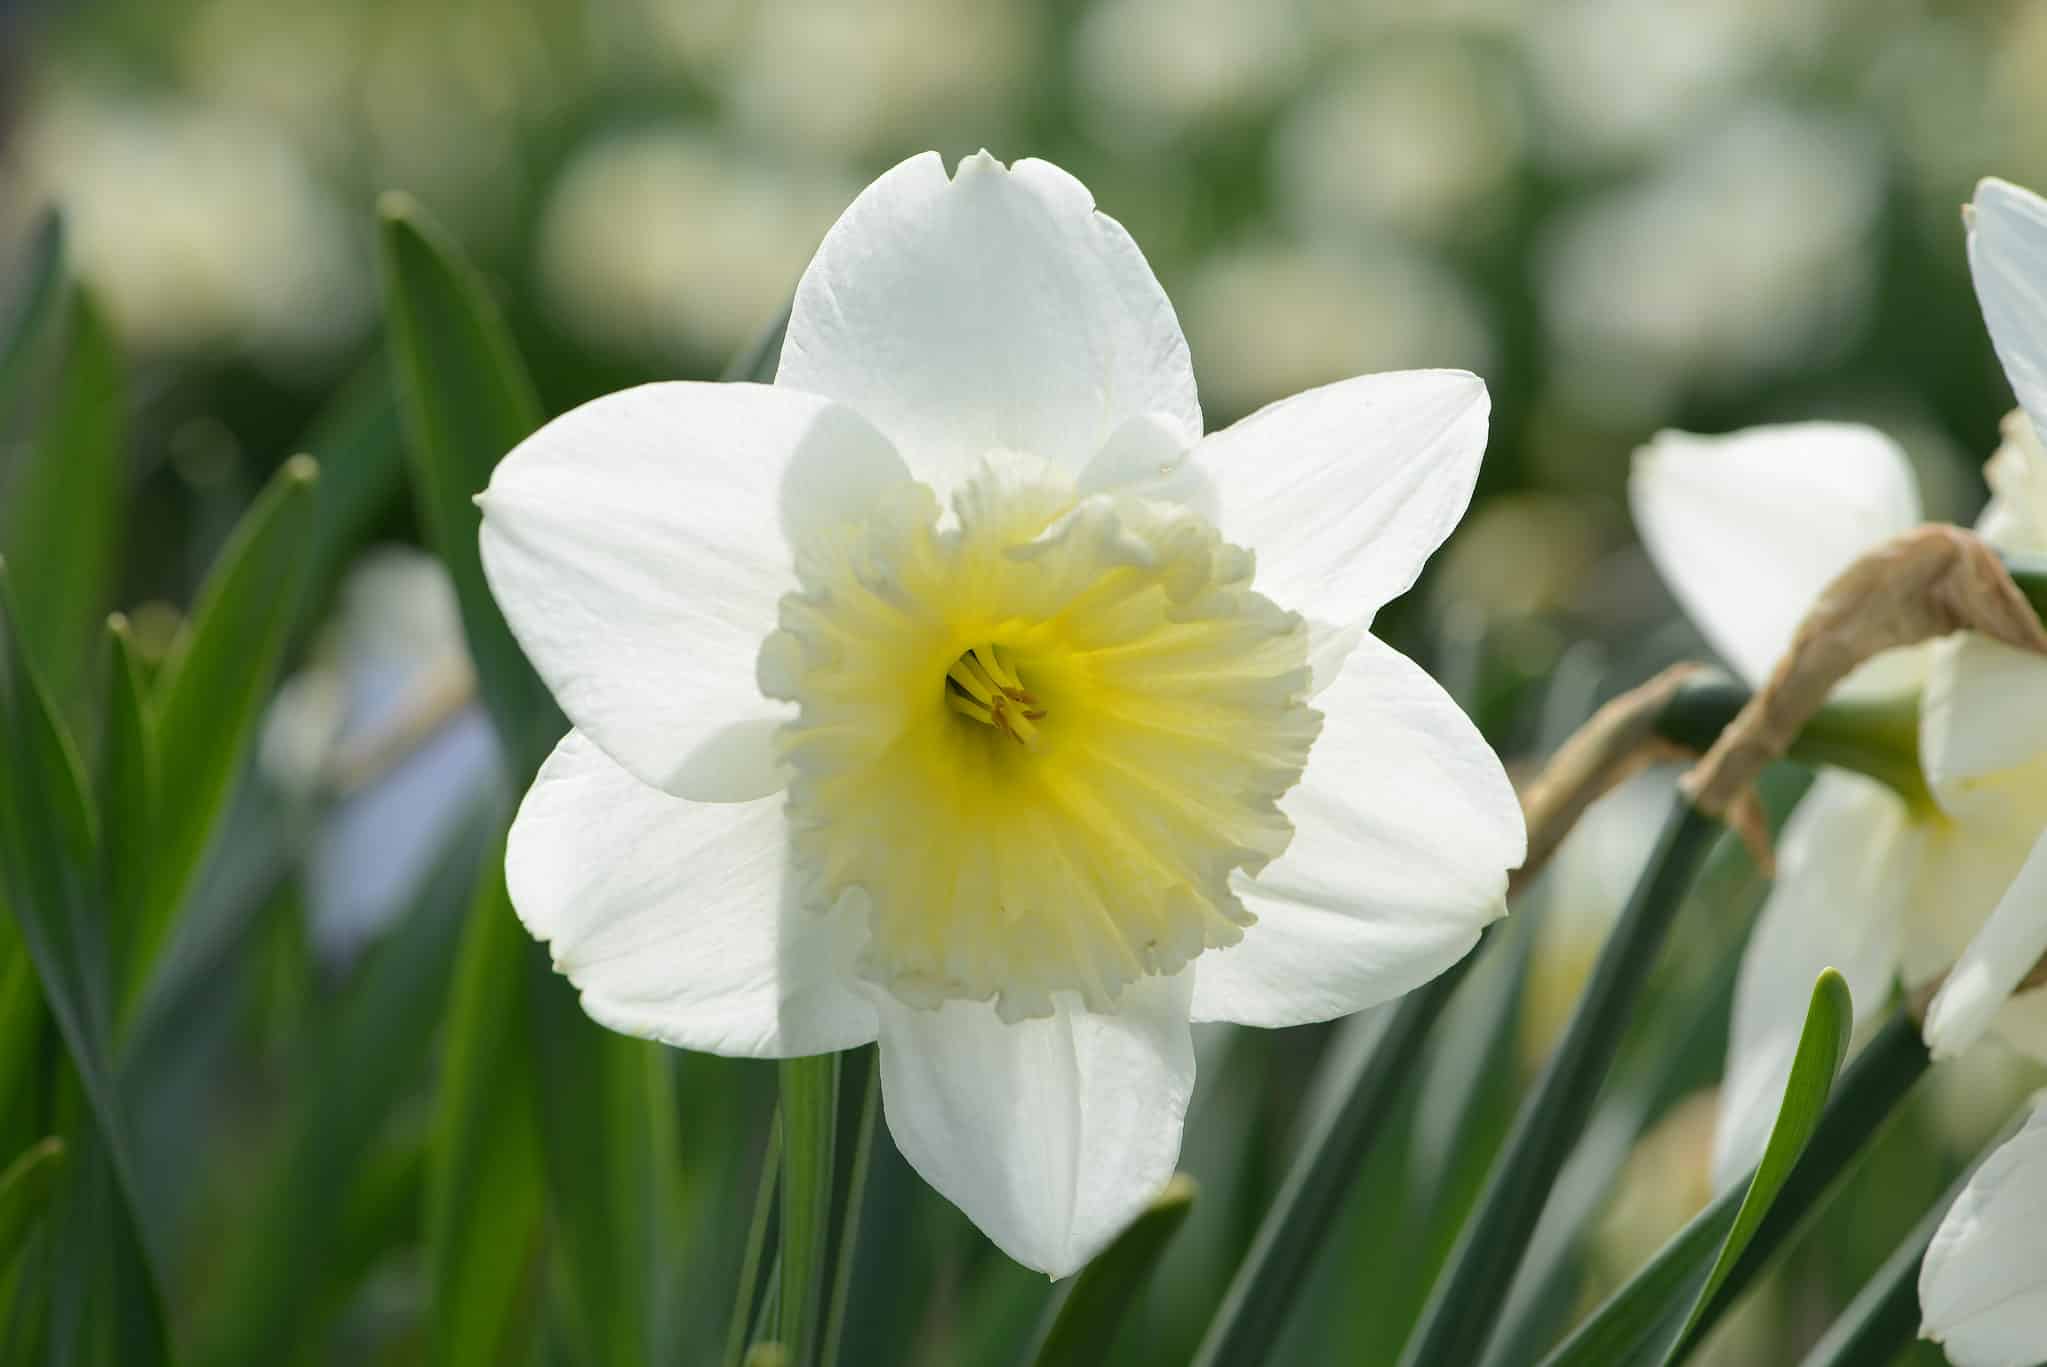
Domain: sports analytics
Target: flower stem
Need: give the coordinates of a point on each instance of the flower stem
(810, 1113)
(756, 1246)
(1459, 1316)
(849, 1224)
(1272, 1273)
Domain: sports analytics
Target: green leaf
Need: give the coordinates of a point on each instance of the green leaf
(466, 401)
(25, 1191)
(63, 505)
(861, 1075)
(211, 692)
(349, 1089)
(361, 450)
(484, 1185)
(127, 787)
(50, 878)
(1884, 1316)
(810, 1111)
(1822, 1044)
(34, 313)
(1081, 1326)
(1298, 1222)
(758, 1228)
(612, 1155)
(1633, 1324)
(1461, 1310)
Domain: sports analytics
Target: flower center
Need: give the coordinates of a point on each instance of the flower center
(1033, 748)
(981, 685)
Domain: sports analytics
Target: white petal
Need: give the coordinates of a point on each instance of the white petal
(1983, 1286)
(2002, 953)
(1984, 712)
(1151, 456)
(995, 310)
(676, 919)
(1404, 829)
(1748, 528)
(1051, 1134)
(2008, 258)
(637, 548)
(1844, 874)
(1345, 490)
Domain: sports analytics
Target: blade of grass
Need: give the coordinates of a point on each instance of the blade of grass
(25, 1192)
(127, 785)
(757, 1232)
(211, 692)
(63, 505)
(1298, 1221)
(810, 1111)
(1867, 1094)
(1460, 1312)
(1822, 1044)
(1079, 1328)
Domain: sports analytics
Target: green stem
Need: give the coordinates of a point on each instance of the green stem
(849, 1229)
(1272, 1273)
(1878, 737)
(756, 1246)
(1460, 1312)
(2029, 572)
(810, 1114)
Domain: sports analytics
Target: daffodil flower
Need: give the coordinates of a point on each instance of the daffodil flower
(955, 692)
(1747, 529)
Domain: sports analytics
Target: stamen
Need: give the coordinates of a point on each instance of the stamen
(984, 686)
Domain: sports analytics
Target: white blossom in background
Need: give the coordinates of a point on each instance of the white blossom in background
(956, 692)
(1748, 529)
(1272, 318)
(1695, 279)
(1420, 138)
(381, 737)
(1152, 70)
(667, 241)
(200, 228)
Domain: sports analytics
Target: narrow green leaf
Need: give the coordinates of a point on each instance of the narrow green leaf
(34, 312)
(1298, 1222)
(211, 692)
(50, 878)
(25, 1191)
(810, 1111)
(484, 1186)
(361, 450)
(1461, 1310)
(63, 505)
(1625, 1328)
(127, 787)
(1884, 1316)
(867, 1084)
(1822, 1044)
(759, 1226)
(356, 1078)
(466, 400)
(1081, 1325)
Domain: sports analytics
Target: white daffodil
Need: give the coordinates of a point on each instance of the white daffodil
(1747, 529)
(928, 696)
(1983, 1285)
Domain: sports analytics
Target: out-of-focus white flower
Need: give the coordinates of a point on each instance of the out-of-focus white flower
(1418, 138)
(199, 228)
(1151, 69)
(1983, 1285)
(1020, 788)
(1698, 278)
(1748, 529)
(861, 76)
(1618, 80)
(1273, 319)
(665, 240)
(384, 726)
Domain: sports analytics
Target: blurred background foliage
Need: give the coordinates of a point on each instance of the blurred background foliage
(1704, 213)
